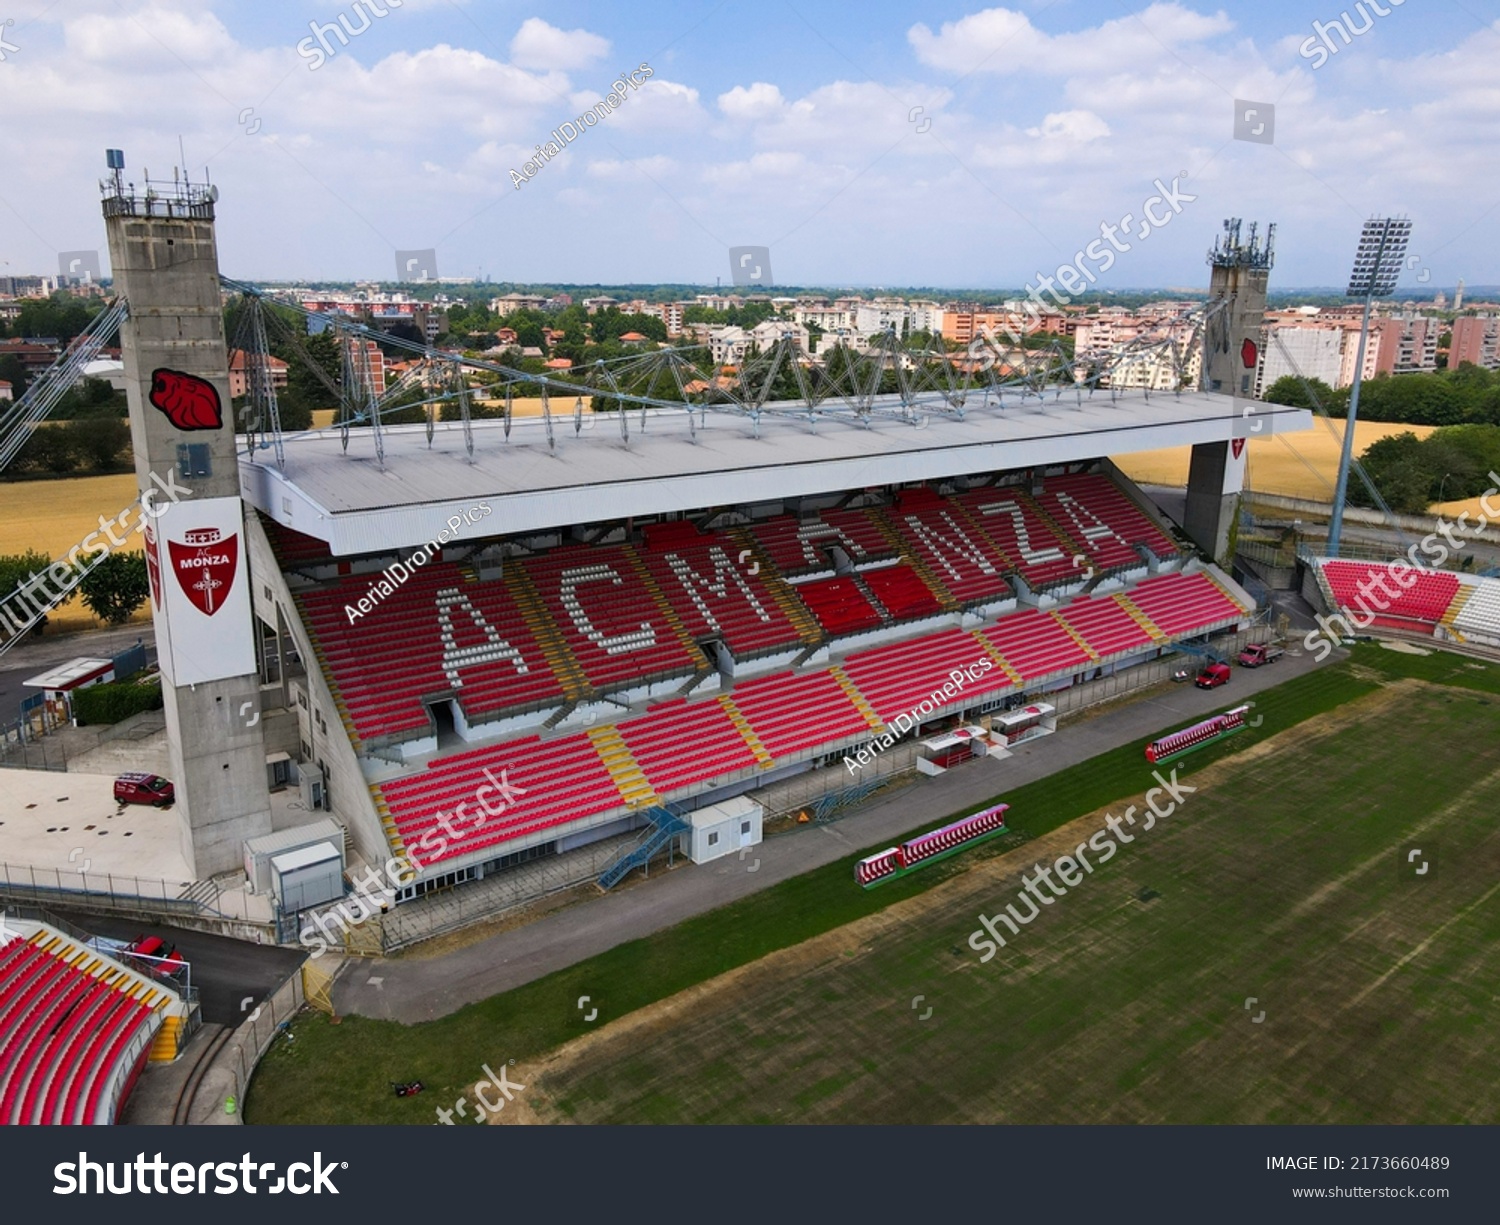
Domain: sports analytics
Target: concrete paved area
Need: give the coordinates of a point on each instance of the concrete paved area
(70, 824)
(417, 989)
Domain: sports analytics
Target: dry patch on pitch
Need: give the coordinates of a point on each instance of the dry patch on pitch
(1129, 1000)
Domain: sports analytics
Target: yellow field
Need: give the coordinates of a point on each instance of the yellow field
(1295, 465)
(322, 418)
(53, 516)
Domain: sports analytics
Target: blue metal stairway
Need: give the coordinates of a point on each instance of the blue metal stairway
(666, 825)
(1194, 648)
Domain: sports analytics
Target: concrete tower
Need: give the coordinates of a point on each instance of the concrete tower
(165, 263)
(1231, 355)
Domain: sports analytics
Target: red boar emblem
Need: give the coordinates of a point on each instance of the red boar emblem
(189, 402)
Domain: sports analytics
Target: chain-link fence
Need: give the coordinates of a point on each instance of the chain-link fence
(26, 745)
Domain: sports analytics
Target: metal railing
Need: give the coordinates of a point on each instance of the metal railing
(666, 825)
(25, 747)
(95, 891)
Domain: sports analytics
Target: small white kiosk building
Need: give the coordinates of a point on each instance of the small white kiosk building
(722, 829)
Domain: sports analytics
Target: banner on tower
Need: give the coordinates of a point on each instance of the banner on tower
(200, 591)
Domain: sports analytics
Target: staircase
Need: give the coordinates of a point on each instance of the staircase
(203, 894)
(1045, 516)
(847, 684)
(742, 725)
(623, 768)
(945, 598)
(1075, 636)
(796, 611)
(663, 605)
(665, 827)
(1207, 654)
(989, 649)
(1460, 598)
(569, 672)
(1141, 619)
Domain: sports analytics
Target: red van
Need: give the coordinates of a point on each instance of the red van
(136, 788)
(1213, 676)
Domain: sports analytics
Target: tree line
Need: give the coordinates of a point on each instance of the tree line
(1467, 395)
(113, 590)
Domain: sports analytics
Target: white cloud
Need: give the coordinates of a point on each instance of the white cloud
(634, 169)
(539, 45)
(406, 141)
(658, 108)
(1075, 127)
(1002, 40)
(146, 36)
(760, 101)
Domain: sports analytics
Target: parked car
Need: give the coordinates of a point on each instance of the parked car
(145, 947)
(1258, 653)
(1213, 676)
(137, 788)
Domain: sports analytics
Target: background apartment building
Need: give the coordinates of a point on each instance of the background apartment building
(1476, 339)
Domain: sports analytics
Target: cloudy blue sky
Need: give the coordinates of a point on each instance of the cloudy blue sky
(793, 125)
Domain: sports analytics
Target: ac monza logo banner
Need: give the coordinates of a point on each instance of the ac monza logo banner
(153, 566)
(189, 402)
(1237, 445)
(205, 562)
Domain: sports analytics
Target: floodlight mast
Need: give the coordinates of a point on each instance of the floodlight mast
(1377, 266)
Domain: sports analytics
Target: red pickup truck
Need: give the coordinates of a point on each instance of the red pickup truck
(1258, 653)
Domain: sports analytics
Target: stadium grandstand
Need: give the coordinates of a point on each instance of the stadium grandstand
(1441, 604)
(616, 627)
(78, 1024)
(608, 668)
